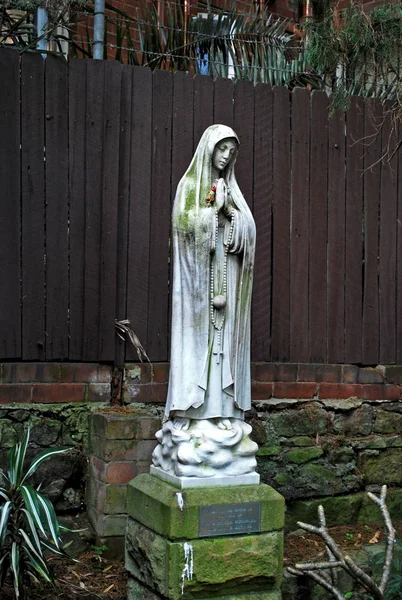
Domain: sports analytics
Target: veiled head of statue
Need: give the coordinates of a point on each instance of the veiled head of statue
(224, 152)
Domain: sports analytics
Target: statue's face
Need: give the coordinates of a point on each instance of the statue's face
(223, 152)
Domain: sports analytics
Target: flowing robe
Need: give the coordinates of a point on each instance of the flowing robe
(193, 367)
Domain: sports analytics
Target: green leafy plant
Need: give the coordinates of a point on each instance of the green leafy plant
(18, 28)
(99, 550)
(29, 529)
(394, 586)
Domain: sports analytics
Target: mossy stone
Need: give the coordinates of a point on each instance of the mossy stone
(155, 504)
(283, 478)
(370, 513)
(306, 421)
(356, 422)
(387, 422)
(8, 434)
(385, 468)
(303, 455)
(318, 472)
(269, 451)
(339, 510)
(221, 565)
(302, 440)
(138, 591)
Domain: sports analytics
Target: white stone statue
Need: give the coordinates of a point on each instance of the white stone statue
(213, 238)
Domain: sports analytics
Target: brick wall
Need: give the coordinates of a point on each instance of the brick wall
(54, 383)
(143, 383)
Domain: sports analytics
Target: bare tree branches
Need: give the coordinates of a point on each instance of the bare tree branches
(317, 571)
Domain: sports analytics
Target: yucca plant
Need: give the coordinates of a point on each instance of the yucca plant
(29, 529)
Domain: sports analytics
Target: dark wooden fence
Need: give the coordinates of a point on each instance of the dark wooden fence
(90, 157)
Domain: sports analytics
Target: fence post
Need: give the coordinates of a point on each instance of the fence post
(99, 29)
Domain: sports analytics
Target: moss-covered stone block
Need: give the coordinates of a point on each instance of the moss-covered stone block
(283, 478)
(138, 591)
(387, 422)
(303, 455)
(339, 510)
(269, 451)
(370, 513)
(220, 566)
(383, 467)
(306, 421)
(318, 473)
(302, 441)
(356, 422)
(156, 504)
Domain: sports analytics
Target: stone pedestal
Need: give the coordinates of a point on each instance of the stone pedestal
(221, 543)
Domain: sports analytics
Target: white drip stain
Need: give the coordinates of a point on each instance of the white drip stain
(180, 500)
(187, 572)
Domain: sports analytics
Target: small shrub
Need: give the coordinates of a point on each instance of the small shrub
(29, 529)
(375, 563)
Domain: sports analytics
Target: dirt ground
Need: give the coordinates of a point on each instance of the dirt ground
(97, 578)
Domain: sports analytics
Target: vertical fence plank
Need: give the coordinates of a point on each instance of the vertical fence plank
(33, 207)
(399, 257)
(281, 223)
(139, 240)
(182, 145)
(77, 179)
(388, 239)
(109, 210)
(123, 204)
(223, 101)
(10, 198)
(354, 232)
(182, 126)
(56, 144)
(263, 194)
(370, 351)
(160, 216)
(203, 106)
(299, 241)
(243, 124)
(318, 227)
(93, 207)
(336, 239)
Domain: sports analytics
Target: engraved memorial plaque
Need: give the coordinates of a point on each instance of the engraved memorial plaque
(230, 519)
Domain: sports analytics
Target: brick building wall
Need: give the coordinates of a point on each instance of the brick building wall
(115, 23)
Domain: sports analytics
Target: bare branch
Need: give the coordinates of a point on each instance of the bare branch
(390, 535)
(320, 580)
(318, 566)
(316, 571)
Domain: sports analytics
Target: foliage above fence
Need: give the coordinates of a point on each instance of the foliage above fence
(84, 234)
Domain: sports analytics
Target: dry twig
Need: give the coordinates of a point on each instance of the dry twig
(316, 571)
(123, 328)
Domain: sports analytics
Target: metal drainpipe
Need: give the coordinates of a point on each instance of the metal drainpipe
(41, 26)
(99, 28)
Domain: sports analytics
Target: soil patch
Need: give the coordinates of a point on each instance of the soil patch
(302, 546)
(97, 578)
(92, 578)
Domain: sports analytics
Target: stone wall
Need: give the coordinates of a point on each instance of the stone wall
(55, 400)
(323, 431)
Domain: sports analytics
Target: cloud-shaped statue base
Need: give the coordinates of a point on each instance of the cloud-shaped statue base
(205, 448)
